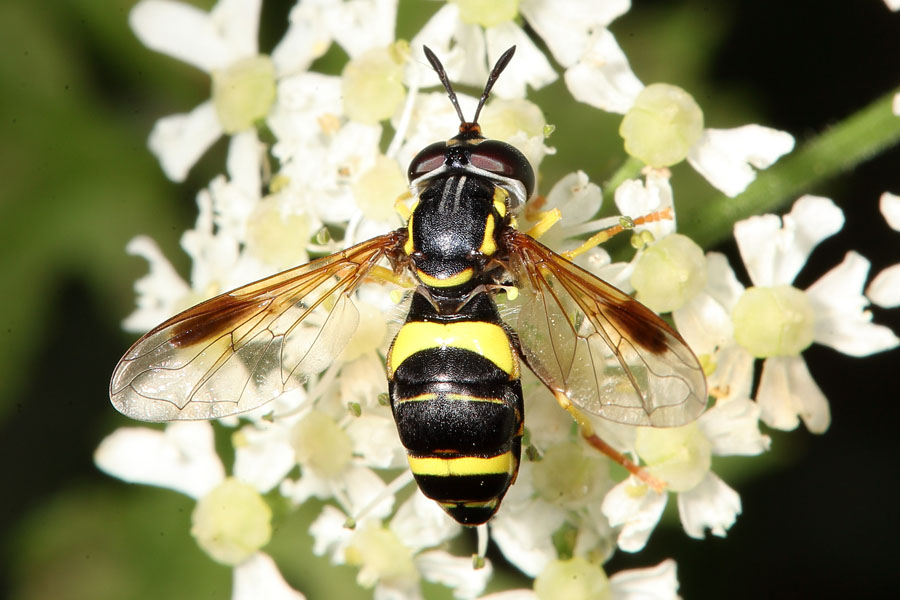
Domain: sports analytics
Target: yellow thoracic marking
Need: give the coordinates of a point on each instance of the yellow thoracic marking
(466, 465)
(457, 279)
(485, 339)
(408, 246)
(462, 397)
(488, 245)
(500, 196)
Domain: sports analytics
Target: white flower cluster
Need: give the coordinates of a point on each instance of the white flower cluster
(566, 513)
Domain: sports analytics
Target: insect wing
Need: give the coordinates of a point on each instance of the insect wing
(609, 354)
(241, 349)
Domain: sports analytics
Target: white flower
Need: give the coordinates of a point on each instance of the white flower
(885, 288)
(681, 458)
(776, 321)
(230, 528)
(579, 580)
(724, 157)
(468, 45)
(894, 5)
(394, 558)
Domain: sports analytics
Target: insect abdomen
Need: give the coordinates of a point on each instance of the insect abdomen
(457, 401)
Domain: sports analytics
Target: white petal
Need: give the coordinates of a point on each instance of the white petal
(565, 25)
(885, 288)
(725, 157)
(420, 523)
(158, 292)
(889, 205)
(524, 533)
(259, 577)
(774, 250)
(786, 390)
(733, 428)
(264, 456)
(637, 513)
(653, 583)
(465, 62)
(244, 162)
(721, 282)
(895, 104)
(636, 198)
(178, 141)
(893, 4)
(329, 534)
(704, 324)
(733, 376)
(603, 78)
(530, 66)
(303, 42)
(710, 505)
(577, 198)
(182, 31)
(237, 21)
(183, 457)
(362, 24)
(841, 319)
(455, 572)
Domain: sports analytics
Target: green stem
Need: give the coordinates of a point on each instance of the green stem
(628, 170)
(840, 148)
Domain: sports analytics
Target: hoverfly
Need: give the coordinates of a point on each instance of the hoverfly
(453, 369)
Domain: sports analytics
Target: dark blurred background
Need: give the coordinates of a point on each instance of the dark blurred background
(79, 97)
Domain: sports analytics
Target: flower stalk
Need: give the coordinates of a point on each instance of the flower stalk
(839, 149)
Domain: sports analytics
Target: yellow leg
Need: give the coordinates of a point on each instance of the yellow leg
(591, 438)
(379, 274)
(625, 224)
(401, 206)
(548, 220)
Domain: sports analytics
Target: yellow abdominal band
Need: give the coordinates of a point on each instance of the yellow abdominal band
(485, 339)
(467, 465)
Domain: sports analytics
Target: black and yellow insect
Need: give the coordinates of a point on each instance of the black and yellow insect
(454, 367)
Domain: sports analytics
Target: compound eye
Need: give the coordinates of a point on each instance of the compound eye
(502, 159)
(427, 160)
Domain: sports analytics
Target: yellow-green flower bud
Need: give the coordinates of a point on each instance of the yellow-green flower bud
(321, 445)
(244, 92)
(669, 273)
(276, 237)
(662, 125)
(232, 522)
(573, 579)
(377, 189)
(372, 83)
(773, 321)
(502, 119)
(680, 456)
(487, 14)
(380, 556)
(567, 475)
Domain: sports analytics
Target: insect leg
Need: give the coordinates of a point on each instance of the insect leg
(594, 440)
(625, 224)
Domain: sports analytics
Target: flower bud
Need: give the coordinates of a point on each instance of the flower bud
(662, 125)
(372, 83)
(573, 579)
(773, 321)
(232, 522)
(243, 93)
(669, 273)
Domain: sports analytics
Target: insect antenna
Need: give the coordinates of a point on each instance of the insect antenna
(492, 79)
(442, 75)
